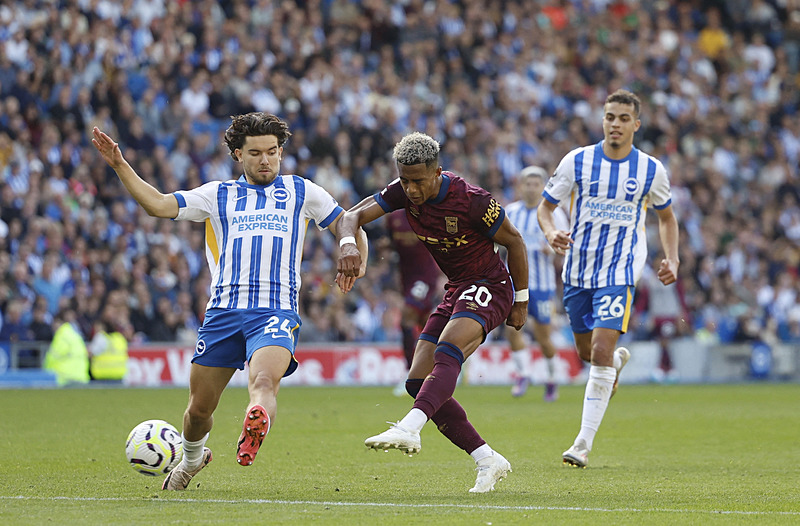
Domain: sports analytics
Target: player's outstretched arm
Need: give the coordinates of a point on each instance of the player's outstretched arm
(350, 262)
(346, 283)
(558, 239)
(154, 202)
(668, 231)
(509, 237)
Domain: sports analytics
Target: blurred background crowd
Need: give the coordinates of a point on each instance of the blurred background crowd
(501, 84)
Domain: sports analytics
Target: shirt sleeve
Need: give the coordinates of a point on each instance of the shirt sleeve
(660, 192)
(322, 206)
(197, 204)
(485, 212)
(391, 198)
(560, 185)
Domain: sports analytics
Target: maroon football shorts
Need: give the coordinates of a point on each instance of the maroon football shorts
(487, 303)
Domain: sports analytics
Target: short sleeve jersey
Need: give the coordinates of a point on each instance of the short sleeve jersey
(541, 258)
(255, 236)
(608, 203)
(456, 227)
(415, 262)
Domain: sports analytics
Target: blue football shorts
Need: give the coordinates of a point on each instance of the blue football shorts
(229, 337)
(540, 305)
(606, 307)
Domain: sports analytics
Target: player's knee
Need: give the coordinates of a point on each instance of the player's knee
(198, 413)
(413, 386)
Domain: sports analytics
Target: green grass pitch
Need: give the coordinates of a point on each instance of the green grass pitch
(721, 454)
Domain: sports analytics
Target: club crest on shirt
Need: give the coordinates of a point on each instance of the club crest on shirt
(631, 186)
(451, 224)
(280, 195)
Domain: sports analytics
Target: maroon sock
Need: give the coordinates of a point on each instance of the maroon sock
(451, 420)
(438, 386)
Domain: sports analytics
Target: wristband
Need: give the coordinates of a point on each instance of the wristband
(520, 295)
(347, 239)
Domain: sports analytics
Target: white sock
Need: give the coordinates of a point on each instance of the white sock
(482, 452)
(193, 451)
(551, 368)
(595, 402)
(520, 359)
(414, 420)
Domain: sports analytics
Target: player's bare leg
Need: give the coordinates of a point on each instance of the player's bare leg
(205, 388)
(520, 357)
(267, 366)
(541, 331)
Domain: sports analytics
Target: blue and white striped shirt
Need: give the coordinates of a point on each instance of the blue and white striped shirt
(255, 236)
(608, 203)
(541, 267)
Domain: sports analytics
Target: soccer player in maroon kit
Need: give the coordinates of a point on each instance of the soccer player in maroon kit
(459, 224)
(419, 279)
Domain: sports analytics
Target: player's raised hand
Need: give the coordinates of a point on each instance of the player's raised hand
(108, 149)
(349, 263)
(668, 271)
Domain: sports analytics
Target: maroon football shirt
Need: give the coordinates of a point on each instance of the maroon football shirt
(415, 262)
(456, 227)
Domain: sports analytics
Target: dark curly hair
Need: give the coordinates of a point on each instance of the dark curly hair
(253, 125)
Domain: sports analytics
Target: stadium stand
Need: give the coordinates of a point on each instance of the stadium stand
(500, 84)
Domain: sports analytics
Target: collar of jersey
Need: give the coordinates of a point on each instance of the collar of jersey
(442, 190)
(609, 159)
(242, 181)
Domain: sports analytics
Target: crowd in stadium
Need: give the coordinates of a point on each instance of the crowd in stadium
(501, 85)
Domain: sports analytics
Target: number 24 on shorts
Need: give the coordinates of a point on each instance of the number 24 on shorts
(285, 329)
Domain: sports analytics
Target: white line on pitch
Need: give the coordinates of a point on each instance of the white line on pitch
(401, 505)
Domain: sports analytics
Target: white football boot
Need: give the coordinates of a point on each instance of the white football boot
(179, 478)
(577, 455)
(491, 470)
(396, 437)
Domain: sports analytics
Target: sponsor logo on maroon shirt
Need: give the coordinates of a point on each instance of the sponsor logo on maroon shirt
(492, 213)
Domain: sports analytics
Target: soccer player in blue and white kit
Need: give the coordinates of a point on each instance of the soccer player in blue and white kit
(609, 186)
(255, 227)
(541, 280)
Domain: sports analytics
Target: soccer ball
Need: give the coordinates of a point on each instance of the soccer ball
(154, 447)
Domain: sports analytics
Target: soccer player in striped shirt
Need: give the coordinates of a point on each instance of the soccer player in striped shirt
(255, 227)
(541, 281)
(461, 226)
(609, 186)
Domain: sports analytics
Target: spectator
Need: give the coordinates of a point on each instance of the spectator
(506, 88)
(108, 354)
(67, 356)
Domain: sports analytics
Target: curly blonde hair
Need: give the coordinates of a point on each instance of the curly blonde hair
(417, 148)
